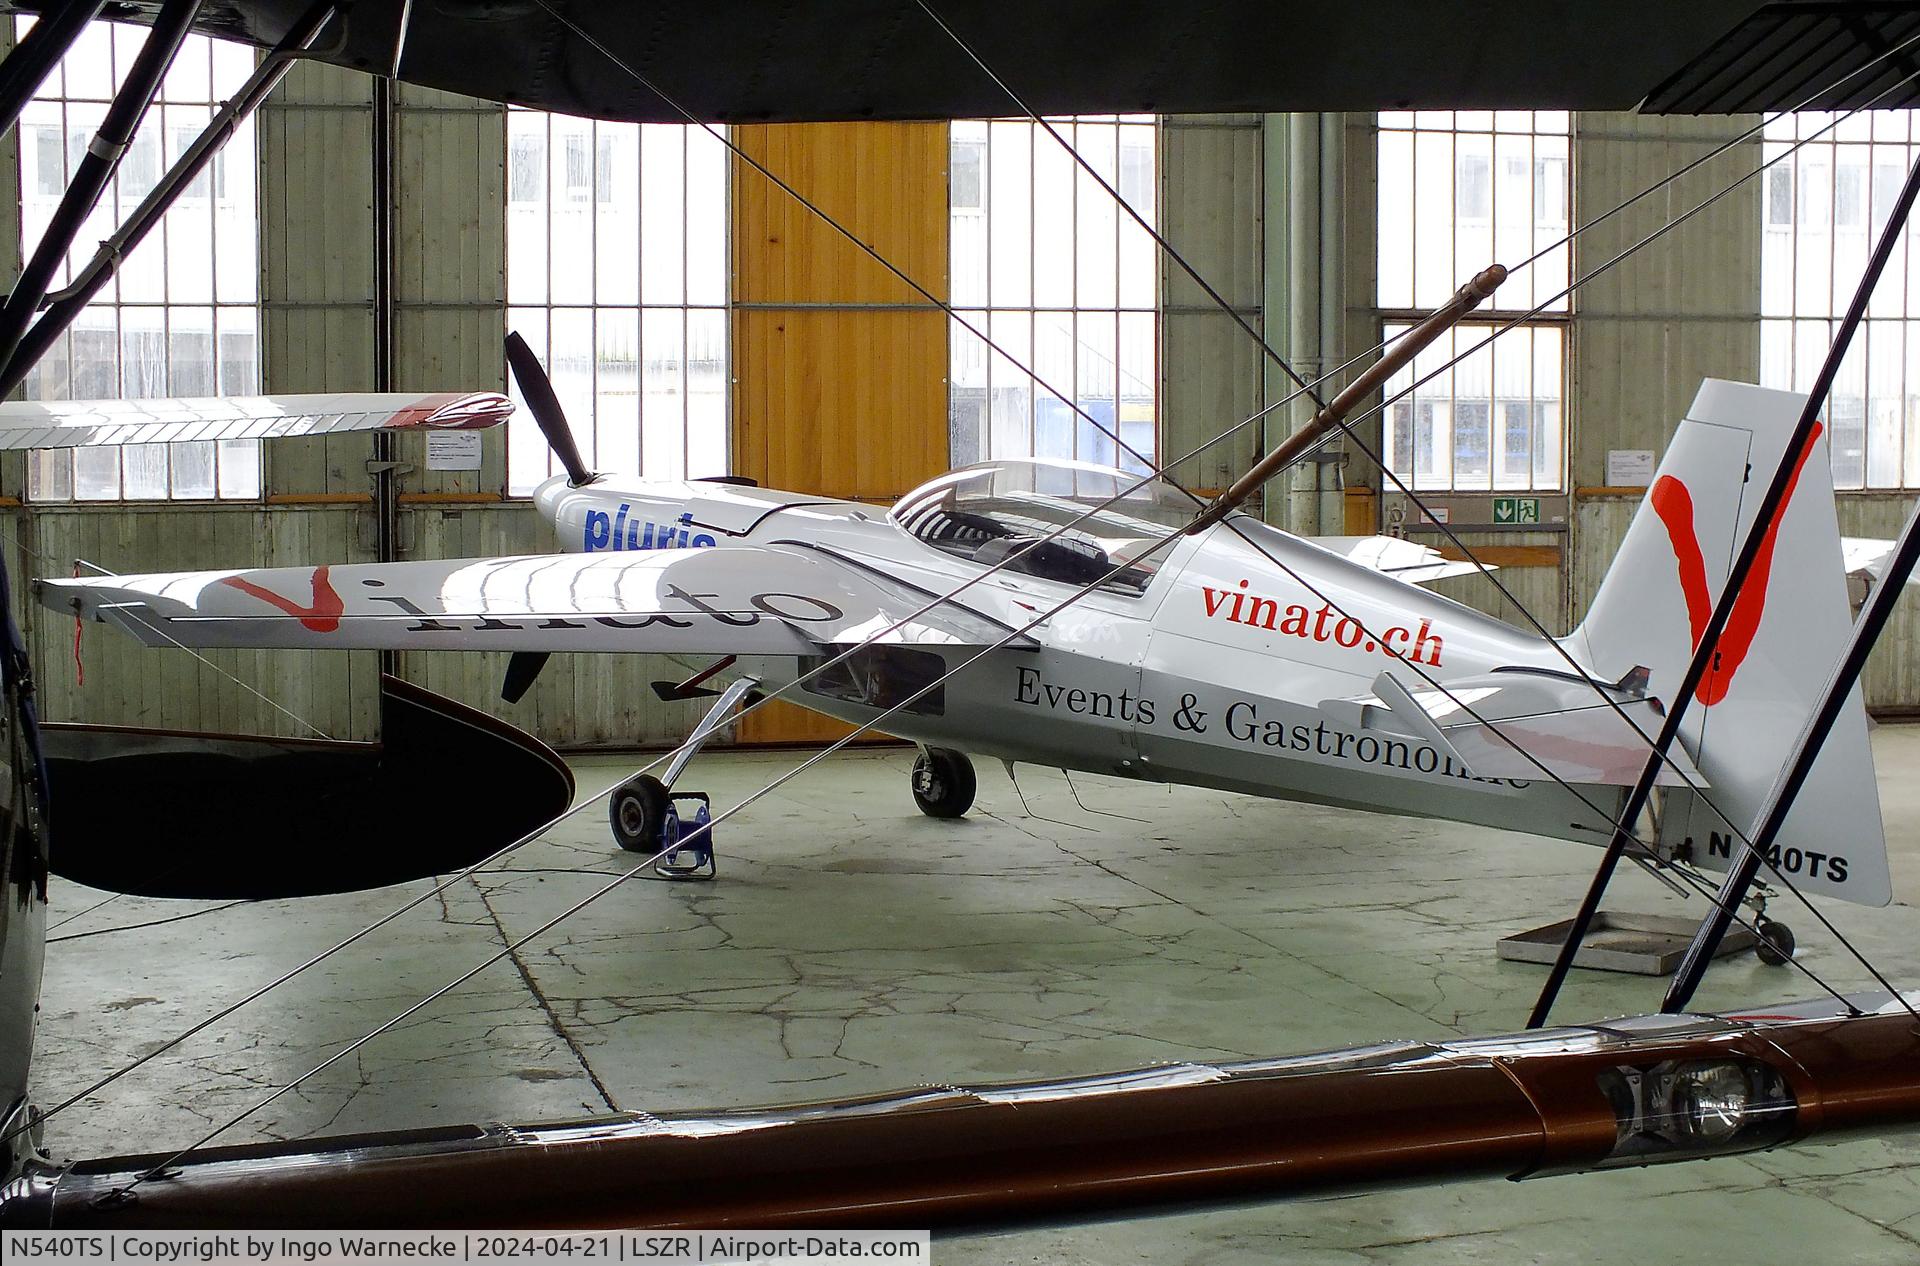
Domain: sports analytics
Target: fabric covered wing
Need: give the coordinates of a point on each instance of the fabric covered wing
(1553, 718)
(747, 600)
(1870, 555)
(1397, 557)
(79, 423)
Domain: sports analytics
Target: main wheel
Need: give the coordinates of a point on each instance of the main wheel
(635, 811)
(943, 783)
(1775, 944)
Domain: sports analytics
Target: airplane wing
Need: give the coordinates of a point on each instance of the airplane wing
(1555, 717)
(1870, 555)
(79, 423)
(745, 600)
(1397, 557)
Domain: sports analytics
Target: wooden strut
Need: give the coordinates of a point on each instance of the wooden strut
(1397, 356)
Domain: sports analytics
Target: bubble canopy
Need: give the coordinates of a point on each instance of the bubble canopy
(994, 512)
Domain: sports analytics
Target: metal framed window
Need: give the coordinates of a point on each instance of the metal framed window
(1045, 263)
(1822, 209)
(1457, 191)
(617, 277)
(182, 318)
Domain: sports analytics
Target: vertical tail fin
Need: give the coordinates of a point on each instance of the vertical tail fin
(1785, 633)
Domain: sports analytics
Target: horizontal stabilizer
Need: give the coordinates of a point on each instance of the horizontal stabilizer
(721, 600)
(82, 423)
(1397, 557)
(1511, 723)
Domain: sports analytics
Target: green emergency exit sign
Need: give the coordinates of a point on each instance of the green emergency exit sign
(1516, 509)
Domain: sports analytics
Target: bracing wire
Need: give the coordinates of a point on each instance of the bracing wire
(1378, 461)
(807, 764)
(506, 951)
(205, 662)
(1346, 426)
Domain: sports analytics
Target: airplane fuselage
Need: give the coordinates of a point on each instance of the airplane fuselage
(1211, 675)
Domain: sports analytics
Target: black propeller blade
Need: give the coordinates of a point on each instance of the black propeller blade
(545, 407)
(522, 668)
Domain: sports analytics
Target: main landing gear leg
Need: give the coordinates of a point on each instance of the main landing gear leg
(647, 815)
(943, 782)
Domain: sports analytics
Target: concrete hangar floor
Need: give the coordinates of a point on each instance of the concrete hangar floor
(853, 945)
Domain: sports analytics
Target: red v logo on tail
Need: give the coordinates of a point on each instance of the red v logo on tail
(322, 617)
(1674, 504)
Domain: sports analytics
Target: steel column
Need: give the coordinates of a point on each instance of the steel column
(386, 502)
(68, 303)
(116, 132)
(37, 53)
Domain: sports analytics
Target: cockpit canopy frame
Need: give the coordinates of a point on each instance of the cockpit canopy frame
(1108, 522)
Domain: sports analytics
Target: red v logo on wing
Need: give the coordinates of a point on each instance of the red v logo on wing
(321, 617)
(1674, 504)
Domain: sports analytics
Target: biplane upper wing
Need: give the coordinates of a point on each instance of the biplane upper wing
(79, 423)
(745, 600)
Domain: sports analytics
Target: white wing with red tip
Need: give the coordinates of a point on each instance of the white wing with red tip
(80, 423)
(771, 600)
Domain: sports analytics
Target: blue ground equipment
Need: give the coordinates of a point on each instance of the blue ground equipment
(687, 813)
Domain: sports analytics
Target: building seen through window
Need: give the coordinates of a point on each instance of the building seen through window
(616, 276)
(182, 317)
(1047, 266)
(1822, 209)
(1458, 191)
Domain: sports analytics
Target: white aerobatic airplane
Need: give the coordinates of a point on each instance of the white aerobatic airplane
(1238, 657)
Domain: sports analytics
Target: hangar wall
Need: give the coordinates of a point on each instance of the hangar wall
(1271, 210)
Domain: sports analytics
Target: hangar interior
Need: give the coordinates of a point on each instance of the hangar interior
(365, 235)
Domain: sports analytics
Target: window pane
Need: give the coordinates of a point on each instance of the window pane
(1453, 198)
(239, 462)
(617, 278)
(1046, 263)
(1458, 191)
(1490, 423)
(153, 331)
(1824, 207)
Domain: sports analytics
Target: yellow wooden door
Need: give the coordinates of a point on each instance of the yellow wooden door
(840, 378)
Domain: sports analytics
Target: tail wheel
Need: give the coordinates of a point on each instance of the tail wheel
(1775, 944)
(943, 783)
(635, 811)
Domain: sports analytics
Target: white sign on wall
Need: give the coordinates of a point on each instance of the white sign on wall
(1629, 467)
(453, 450)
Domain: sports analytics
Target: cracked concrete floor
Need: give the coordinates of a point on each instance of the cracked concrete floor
(852, 945)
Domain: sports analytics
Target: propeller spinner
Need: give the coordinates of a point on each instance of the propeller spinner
(537, 390)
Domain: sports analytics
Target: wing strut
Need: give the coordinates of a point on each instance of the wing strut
(96, 168)
(1397, 356)
(38, 52)
(22, 347)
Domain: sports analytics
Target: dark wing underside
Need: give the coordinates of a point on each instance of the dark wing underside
(745, 61)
